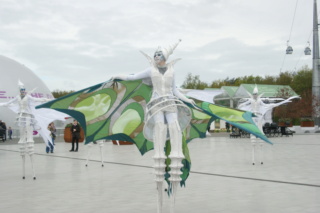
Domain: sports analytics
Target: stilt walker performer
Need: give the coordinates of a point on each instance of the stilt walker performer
(255, 105)
(162, 121)
(24, 105)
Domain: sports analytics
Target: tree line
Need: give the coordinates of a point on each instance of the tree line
(59, 93)
(300, 81)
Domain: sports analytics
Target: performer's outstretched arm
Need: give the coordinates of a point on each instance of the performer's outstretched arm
(140, 75)
(39, 99)
(9, 102)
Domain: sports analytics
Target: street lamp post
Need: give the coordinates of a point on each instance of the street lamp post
(316, 68)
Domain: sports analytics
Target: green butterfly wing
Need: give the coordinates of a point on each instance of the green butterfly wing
(238, 118)
(205, 113)
(113, 110)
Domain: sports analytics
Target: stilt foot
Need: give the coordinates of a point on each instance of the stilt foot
(34, 178)
(102, 165)
(252, 163)
(23, 177)
(86, 165)
(261, 162)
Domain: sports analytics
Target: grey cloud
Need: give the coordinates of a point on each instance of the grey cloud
(73, 44)
(235, 59)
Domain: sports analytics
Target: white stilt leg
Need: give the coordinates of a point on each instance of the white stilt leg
(159, 159)
(23, 155)
(176, 156)
(101, 151)
(261, 150)
(175, 179)
(30, 150)
(23, 149)
(160, 196)
(174, 193)
(32, 166)
(159, 168)
(88, 153)
(30, 143)
(253, 143)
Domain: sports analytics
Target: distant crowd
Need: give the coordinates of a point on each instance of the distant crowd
(4, 131)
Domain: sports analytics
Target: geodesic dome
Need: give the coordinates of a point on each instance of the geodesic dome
(10, 73)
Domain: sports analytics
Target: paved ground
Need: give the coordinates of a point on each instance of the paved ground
(222, 179)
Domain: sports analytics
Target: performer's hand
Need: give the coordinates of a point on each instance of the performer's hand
(293, 97)
(119, 77)
(190, 101)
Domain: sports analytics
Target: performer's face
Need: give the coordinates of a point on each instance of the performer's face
(22, 91)
(159, 58)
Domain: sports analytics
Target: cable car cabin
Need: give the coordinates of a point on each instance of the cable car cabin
(289, 50)
(307, 51)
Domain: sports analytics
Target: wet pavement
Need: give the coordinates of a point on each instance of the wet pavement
(222, 178)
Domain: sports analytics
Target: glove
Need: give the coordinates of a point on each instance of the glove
(119, 77)
(190, 101)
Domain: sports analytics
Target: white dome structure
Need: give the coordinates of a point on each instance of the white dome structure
(11, 72)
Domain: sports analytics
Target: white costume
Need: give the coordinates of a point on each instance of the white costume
(166, 118)
(30, 119)
(259, 109)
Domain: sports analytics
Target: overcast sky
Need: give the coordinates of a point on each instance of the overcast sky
(73, 44)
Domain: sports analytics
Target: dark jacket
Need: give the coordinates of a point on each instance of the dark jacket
(76, 133)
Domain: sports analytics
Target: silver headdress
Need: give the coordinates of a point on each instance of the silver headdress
(255, 90)
(21, 85)
(168, 51)
(165, 51)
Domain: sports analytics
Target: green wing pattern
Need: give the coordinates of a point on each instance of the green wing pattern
(115, 110)
(199, 124)
(238, 118)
